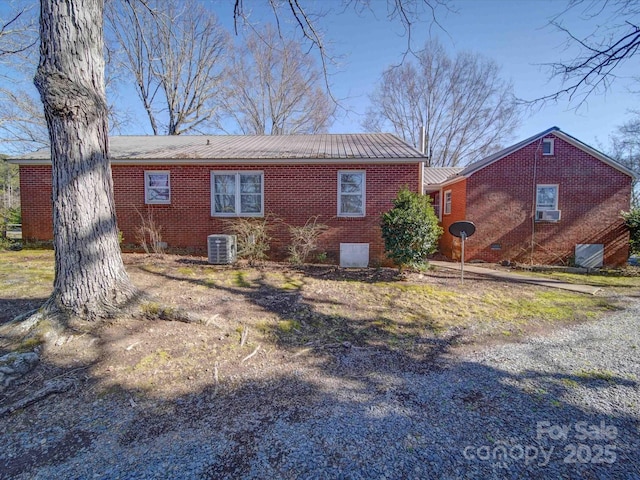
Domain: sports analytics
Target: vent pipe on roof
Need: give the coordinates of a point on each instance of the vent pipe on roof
(422, 140)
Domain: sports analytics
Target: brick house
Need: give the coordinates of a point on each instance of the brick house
(535, 201)
(194, 185)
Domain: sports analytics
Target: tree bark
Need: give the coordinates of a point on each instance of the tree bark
(90, 279)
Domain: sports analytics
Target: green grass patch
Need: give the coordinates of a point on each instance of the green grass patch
(596, 374)
(240, 280)
(291, 283)
(187, 271)
(597, 279)
(26, 273)
(155, 359)
(288, 326)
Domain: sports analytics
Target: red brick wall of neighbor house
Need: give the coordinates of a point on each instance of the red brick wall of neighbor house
(292, 193)
(449, 245)
(36, 208)
(501, 199)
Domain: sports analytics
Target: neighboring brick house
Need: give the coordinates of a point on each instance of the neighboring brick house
(535, 201)
(194, 184)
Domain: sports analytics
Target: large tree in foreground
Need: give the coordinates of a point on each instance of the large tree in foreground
(90, 279)
(467, 110)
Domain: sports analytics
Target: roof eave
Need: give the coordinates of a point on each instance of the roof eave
(236, 161)
(596, 153)
(450, 181)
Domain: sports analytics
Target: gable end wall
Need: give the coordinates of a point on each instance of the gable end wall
(501, 200)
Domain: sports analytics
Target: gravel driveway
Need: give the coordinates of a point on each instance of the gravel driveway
(560, 406)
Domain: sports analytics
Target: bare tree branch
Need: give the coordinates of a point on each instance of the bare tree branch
(600, 54)
(464, 106)
(625, 143)
(274, 88)
(22, 124)
(174, 54)
(17, 33)
(407, 12)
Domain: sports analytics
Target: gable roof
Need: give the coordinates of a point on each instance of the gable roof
(322, 148)
(475, 166)
(480, 164)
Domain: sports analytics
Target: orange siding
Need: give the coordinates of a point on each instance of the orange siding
(449, 245)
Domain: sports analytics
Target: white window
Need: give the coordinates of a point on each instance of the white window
(157, 187)
(547, 146)
(447, 202)
(546, 197)
(351, 193)
(435, 201)
(237, 194)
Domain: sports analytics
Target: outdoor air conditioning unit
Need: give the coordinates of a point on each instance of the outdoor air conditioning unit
(222, 249)
(548, 215)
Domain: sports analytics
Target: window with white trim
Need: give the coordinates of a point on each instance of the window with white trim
(447, 203)
(547, 146)
(157, 187)
(435, 197)
(237, 194)
(351, 193)
(546, 197)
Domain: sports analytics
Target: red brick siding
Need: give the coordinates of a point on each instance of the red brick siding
(292, 193)
(501, 201)
(36, 207)
(449, 245)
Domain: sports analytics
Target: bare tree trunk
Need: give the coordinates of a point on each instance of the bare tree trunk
(90, 280)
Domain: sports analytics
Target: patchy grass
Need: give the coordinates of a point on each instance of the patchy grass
(626, 279)
(318, 306)
(26, 273)
(596, 374)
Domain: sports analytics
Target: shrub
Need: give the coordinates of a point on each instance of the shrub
(632, 221)
(148, 234)
(304, 240)
(410, 229)
(254, 240)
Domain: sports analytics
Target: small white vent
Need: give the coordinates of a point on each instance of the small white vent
(548, 215)
(222, 249)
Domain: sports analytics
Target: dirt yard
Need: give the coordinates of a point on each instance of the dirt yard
(208, 328)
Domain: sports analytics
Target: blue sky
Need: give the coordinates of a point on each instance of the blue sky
(515, 34)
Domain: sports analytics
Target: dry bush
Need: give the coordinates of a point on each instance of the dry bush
(148, 234)
(254, 239)
(304, 240)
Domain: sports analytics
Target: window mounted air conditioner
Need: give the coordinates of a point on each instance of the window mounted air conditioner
(222, 249)
(548, 215)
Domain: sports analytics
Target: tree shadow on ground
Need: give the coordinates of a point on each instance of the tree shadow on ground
(364, 402)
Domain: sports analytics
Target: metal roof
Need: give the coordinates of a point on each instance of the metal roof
(436, 175)
(198, 148)
(441, 175)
